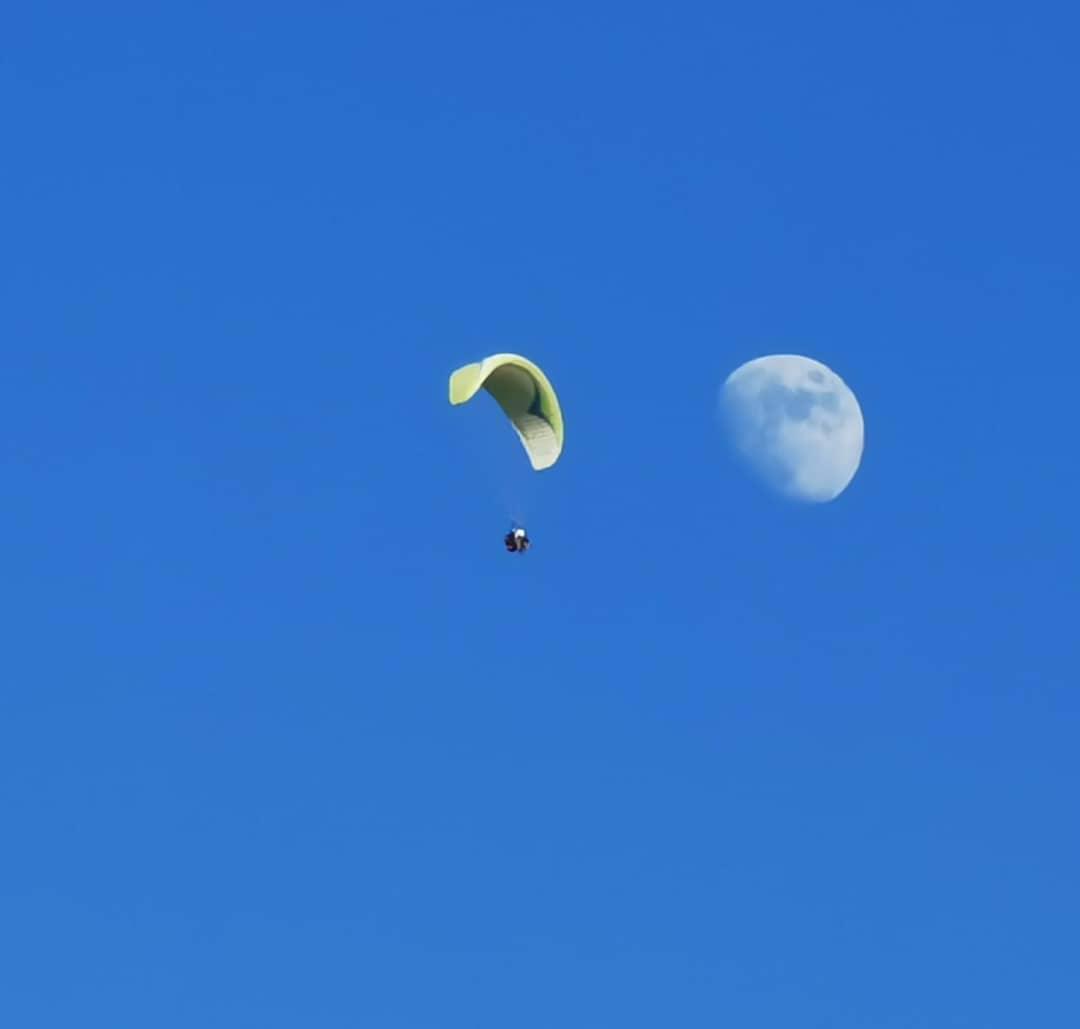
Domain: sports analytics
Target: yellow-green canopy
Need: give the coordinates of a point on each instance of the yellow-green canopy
(525, 394)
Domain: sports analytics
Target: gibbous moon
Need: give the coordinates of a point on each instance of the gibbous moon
(796, 424)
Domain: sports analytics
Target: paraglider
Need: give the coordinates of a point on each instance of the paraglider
(528, 399)
(517, 540)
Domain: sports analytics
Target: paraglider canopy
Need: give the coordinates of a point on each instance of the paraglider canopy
(525, 395)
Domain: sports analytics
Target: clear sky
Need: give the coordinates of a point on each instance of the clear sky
(287, 739)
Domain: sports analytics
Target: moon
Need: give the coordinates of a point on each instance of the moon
(796, 424)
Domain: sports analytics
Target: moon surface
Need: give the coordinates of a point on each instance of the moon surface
(794, 423)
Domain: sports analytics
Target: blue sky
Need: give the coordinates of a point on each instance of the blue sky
(286, 738)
